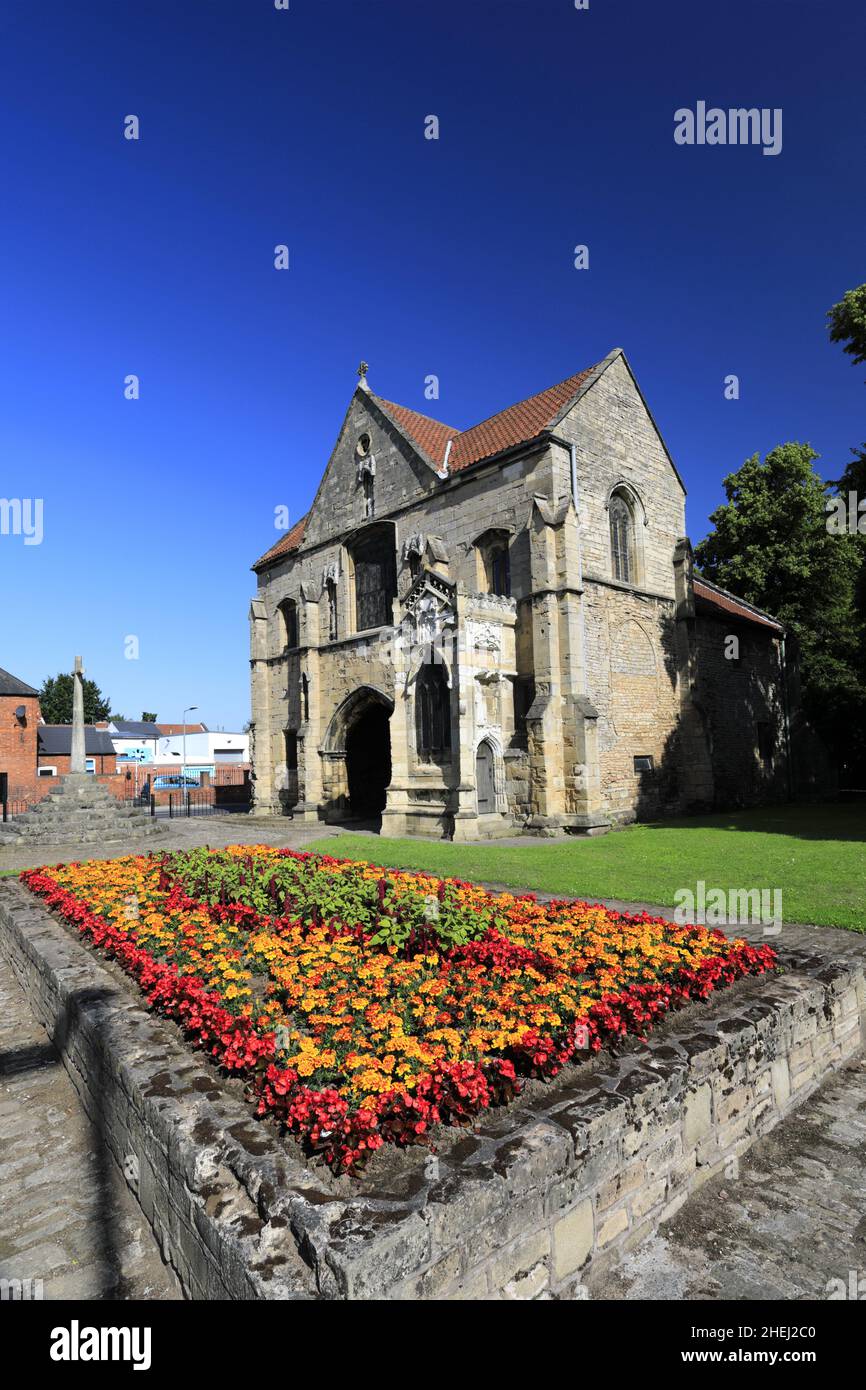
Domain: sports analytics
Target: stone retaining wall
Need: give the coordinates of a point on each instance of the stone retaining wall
(203, 1171)
(539, 1199)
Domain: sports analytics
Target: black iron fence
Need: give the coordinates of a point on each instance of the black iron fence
(226, 787)
(198, 801)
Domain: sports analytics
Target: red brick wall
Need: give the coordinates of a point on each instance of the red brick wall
(34, 791)
(106, 763)
(18, 743)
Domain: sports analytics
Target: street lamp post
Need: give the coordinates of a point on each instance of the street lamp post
(189, 709)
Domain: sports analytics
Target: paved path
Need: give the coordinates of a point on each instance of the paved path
(180, 833)
(790, 1223)
(66, 1214)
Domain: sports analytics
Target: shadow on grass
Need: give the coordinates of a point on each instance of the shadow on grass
(827, 820)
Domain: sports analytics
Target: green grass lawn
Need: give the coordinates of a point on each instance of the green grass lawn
(815, 854)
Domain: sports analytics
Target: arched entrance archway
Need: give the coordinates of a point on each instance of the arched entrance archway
(357, 756)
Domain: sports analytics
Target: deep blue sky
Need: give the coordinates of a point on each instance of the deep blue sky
(451, 257)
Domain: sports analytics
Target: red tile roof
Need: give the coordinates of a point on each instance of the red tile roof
(728, 603)
(429, 435)
(285, 545)
(517, 424)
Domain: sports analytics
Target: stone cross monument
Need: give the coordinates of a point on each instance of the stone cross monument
(81, 810)
(76, 761)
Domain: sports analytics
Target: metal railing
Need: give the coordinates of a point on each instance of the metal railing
(200, 802)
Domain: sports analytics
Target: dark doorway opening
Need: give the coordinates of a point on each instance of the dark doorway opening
(368, 762)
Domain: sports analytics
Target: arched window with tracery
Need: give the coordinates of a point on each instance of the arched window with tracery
(432, 712)
(621, 539)
(493, 550)
(374, 562)
(289, 622)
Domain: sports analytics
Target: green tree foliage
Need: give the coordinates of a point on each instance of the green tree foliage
(147, 718)
(853, 480)
(848, 323)
(848, 326)
(55, 700)
(771, 546)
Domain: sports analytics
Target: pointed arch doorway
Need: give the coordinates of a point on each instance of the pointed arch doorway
(357, 754)
(485, 784)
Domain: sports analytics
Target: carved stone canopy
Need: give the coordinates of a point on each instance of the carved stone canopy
(330, 574)
(427, 582)
(428, 622)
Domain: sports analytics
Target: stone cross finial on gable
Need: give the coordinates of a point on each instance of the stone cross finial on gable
(363, 369)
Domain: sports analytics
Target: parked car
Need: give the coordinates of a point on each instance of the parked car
(174, 781)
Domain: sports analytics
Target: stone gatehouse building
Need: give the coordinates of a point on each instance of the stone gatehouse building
(478, 631)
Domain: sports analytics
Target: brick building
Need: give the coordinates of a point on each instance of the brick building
(54, 751)
(32, 752)
(498, 627)
(19, 723)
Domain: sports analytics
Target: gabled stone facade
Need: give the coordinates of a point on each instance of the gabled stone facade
(473, 633)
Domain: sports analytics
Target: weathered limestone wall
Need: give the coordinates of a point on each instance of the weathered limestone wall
(616, 443)
(737, 695)
(633, 683)
(454, 514)
(610, 670)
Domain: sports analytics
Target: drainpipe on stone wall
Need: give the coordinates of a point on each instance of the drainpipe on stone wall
(443, 471)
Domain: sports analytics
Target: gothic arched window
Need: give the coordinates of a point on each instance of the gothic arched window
(621, 540)
(432, 712)
(496, 562)
(289, 617)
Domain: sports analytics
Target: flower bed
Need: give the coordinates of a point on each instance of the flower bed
(365, 1005)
